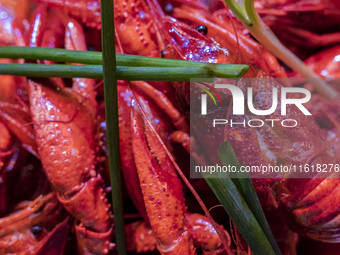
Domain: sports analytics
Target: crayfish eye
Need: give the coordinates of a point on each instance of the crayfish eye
(202, 29)
(332, 147)
(169, 8)
(162, 53)
(36, 230)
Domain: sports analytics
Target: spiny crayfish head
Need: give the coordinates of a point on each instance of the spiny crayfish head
(35, 226)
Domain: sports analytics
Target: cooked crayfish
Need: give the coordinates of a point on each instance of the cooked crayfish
(66, 136)
(304, 212)
(65, 128)
(33, 228)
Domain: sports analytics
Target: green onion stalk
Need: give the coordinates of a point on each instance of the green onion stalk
(129, 67)
(110, 76)
(241, 193)
(246, 13)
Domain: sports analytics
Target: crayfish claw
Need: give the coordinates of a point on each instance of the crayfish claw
(90, 242)
(162, 191)
(65, 128)
(88, 205)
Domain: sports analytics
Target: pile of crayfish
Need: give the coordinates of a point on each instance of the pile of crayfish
(54, 181)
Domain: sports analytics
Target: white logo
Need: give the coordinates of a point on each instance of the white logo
(239, 102)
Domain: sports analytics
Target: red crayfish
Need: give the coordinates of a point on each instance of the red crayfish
(153, 126)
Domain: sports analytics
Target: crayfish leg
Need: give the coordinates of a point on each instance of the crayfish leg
(164, 104)
(16, 119)
(75, 40)
(38, 24)
(135, 28)
(183, 138)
